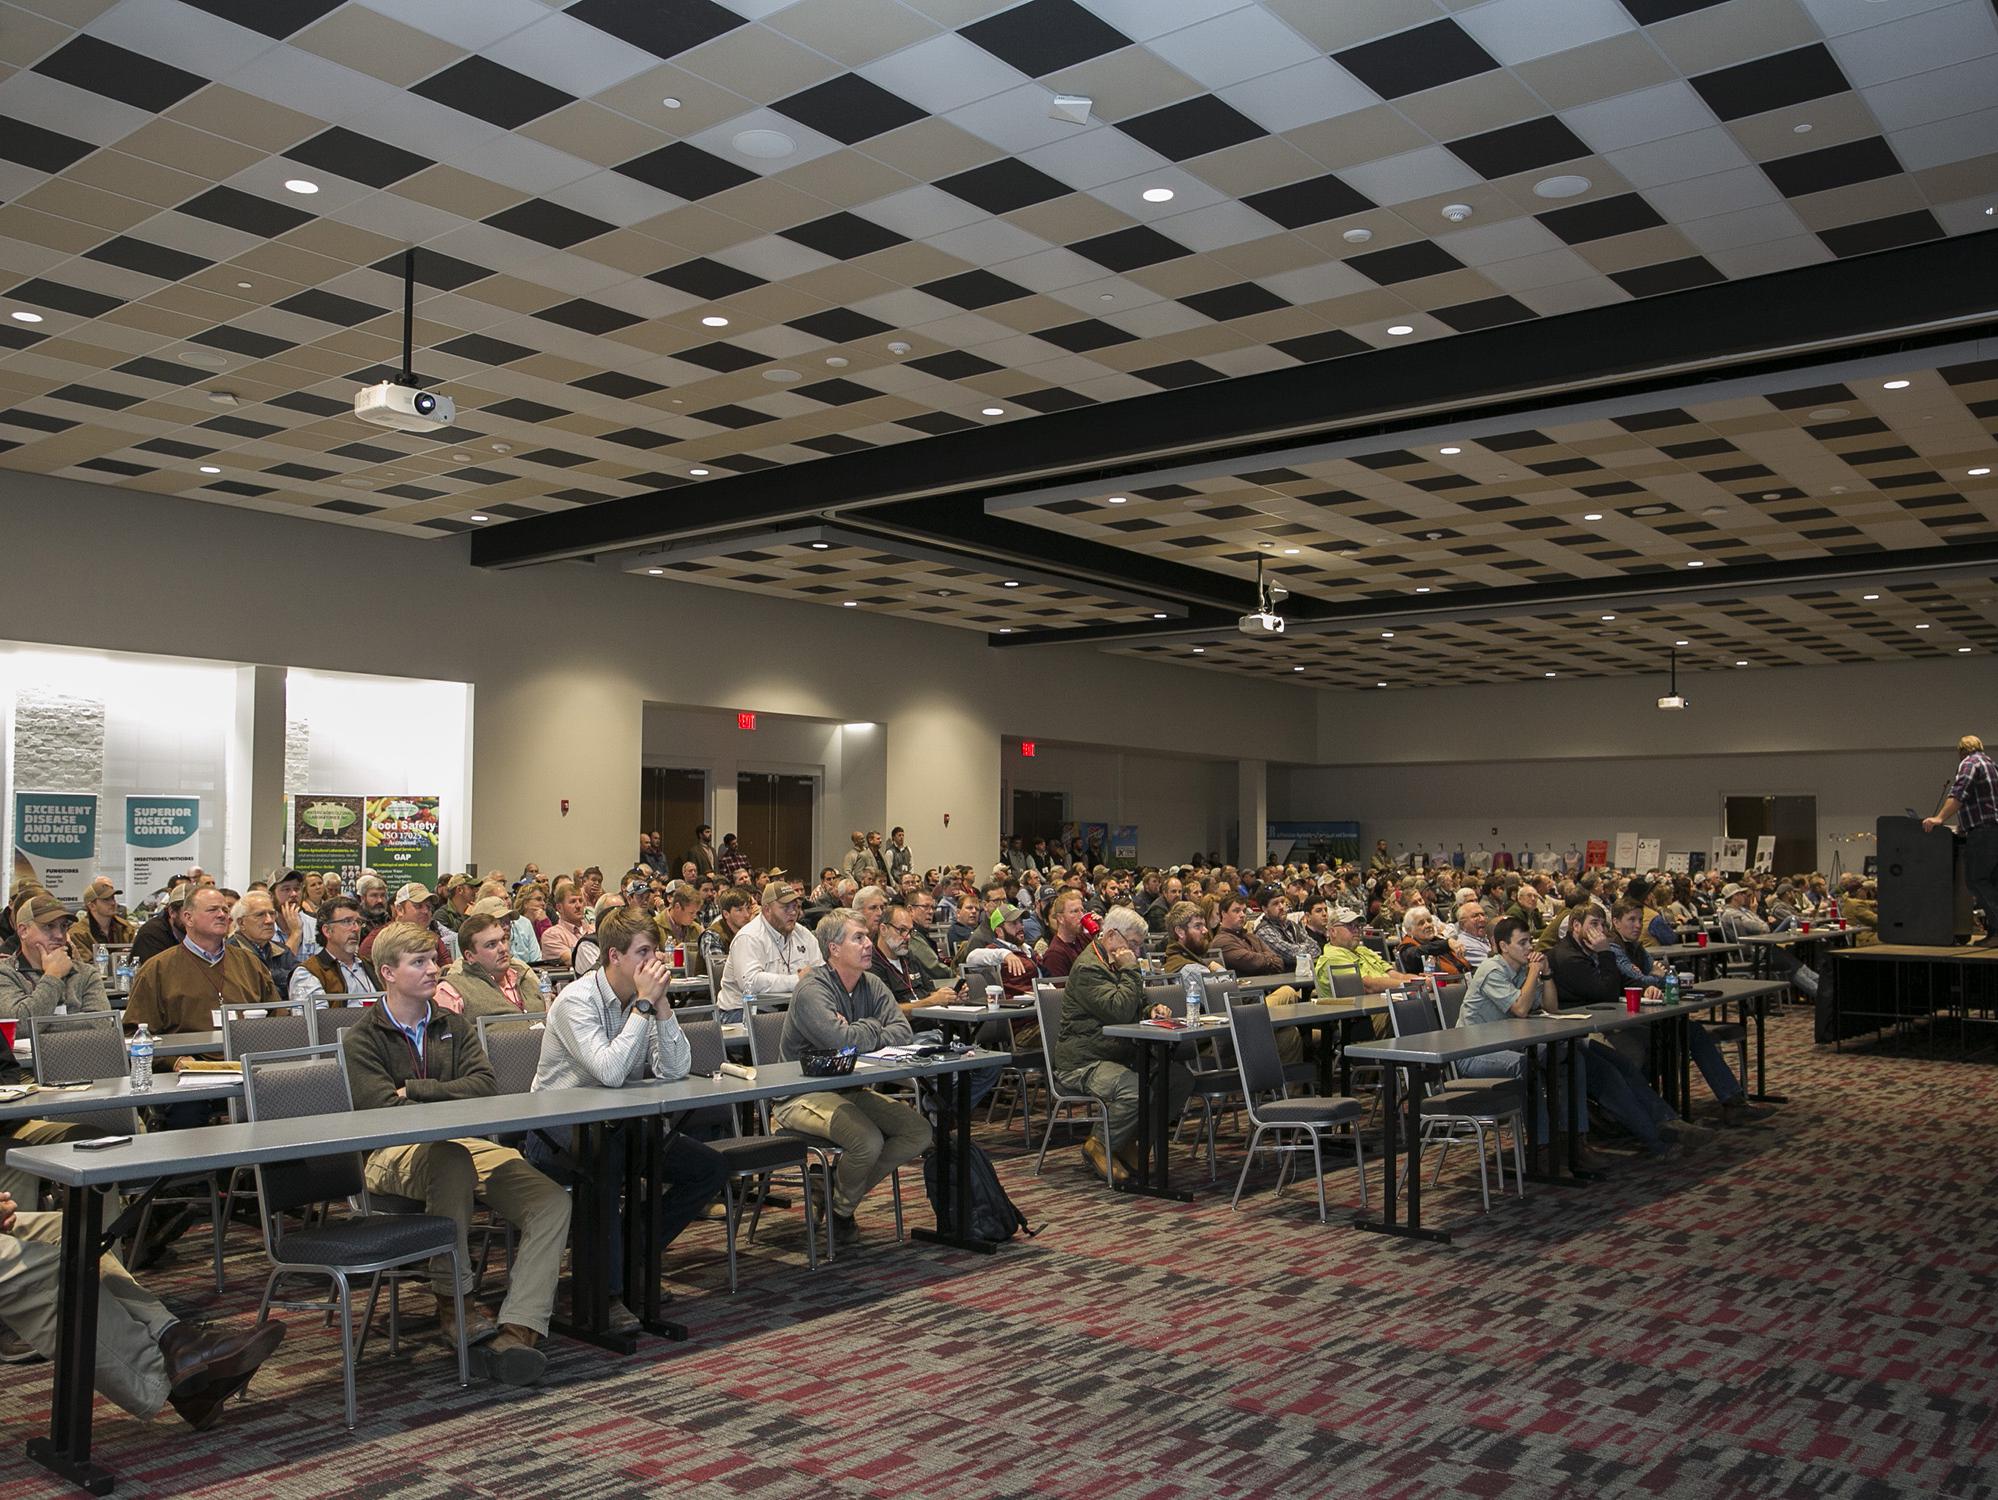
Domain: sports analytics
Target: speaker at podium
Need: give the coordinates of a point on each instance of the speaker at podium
(1924, 901)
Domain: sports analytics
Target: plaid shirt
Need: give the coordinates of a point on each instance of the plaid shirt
(1976, 790)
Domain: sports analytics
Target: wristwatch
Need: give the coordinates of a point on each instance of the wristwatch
(646, 1008)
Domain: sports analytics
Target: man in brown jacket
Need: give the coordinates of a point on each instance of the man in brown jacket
(182, 988)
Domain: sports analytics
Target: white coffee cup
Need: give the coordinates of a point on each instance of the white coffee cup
(994, 994)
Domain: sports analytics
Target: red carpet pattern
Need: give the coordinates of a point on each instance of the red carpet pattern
(1804, 1308)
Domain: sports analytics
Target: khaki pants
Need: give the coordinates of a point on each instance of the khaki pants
(1117, 1086)
(24, 1187)
(130, 1368)
(875, 1135)
(446, 1175)
(1290, 1040)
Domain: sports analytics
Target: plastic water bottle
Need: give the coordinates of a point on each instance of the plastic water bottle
(140, 1049)
(1196, 992)
(1671, 989)
(547, 988)
(101, 956)
(1302, 968)
(125, 970)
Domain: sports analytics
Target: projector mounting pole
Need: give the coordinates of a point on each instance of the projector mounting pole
(408, 316)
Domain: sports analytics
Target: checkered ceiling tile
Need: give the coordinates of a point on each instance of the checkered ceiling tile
(1809, 471)
(1816, 628)
(592, 184)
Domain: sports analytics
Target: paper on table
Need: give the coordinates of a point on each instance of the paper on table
(891, 1054)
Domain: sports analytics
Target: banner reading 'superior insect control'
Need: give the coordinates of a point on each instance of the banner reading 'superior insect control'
(161, 834)
(55, 841)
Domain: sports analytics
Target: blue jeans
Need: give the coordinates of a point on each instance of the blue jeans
(1617, 1085)
(1510, 1064)
(1713, 1067)
(693, 1173)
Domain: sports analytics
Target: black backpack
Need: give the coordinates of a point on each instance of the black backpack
(994, 1216)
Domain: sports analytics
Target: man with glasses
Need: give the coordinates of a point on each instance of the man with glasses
(43, 979)
(256, 920)
(892, 967)
(100, 921)
(337, 970)
(770, 955)
(923, 956)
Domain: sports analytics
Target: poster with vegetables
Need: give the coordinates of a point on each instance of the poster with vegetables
(402, 839)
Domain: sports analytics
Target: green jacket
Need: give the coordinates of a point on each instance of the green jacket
(379, 1061)
(26, 992)
(1097, 996)
(923, 957)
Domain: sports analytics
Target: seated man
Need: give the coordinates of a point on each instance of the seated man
(734, 908)
(842, 1004)
(487, 980)
(923, 955)
(408, 1050)
(182, 988)
(1424, 949)
(99, 921)
(146, 1357)
(1001, 951)
(1245, 952)
(43, 979)
(256, 922)
(1344, 953)
(571, 912)
(891, 966)
(610, 1027)
(1187, 939)
(337, 970)
(1171, 893)
(1066, 938)
(1473, 931)
(769, 955)
(1105, 988)
(414, 905)
(162, 929)
(680, 926)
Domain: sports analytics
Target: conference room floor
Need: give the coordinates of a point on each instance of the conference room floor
(1802, 1309)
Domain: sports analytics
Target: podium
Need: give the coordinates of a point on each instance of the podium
(1923, 899)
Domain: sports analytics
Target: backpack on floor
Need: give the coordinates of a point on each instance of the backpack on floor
(994, 1216)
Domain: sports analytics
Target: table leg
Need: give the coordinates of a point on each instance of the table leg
(1396, 1120)
(1762, 1094)
(66, 1450)
(645, 1253)
(593, 1236)
(1323, 1031)
(952, 1143)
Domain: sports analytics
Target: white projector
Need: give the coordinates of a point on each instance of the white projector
(1262, 622)
(403, 407)
(1672, 700)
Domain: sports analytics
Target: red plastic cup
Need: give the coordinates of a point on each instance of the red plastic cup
(1841, 924)
(679, 956)
(1700, 937)
(1803, 926)
(1632, 998)
(7, 1030)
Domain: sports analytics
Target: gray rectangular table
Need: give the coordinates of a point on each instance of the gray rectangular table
(1671, 952)
(116, 1093)
(173, 1044)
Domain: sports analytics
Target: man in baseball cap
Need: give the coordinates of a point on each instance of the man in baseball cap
(414, 904)
(771, 953)
(99, 921)
(1345, 956)
(1005, 952)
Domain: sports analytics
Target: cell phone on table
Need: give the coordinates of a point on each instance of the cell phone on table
(103, 1143)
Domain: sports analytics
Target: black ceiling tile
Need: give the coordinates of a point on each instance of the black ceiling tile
(1486, 312)
(581, 497)
(844, 236)
(347, 507)
(953, 364)
(306, 472)
(686, 171)
(238, 487)
(311, 405)
(1442, 482)
(585, 316)
(1044, 36)
(1668, 276)
(1410, 61)
(549, 223)
(836, 392)
(1512, 442)
(367, 453)
(1407, 262)
(90, 395)
(553, 458)
(480, 349)
(520, 409)
(702, 277)
(1833, 167)
(663, 30)
(148, 259)
(835, 442)
(1180, 372)
(1129, 249)
(69, 299)
(1001, 186)
(732, 416)
(444, 523)
(44, 150)
(114, 73)
(445, 272)
(328, 307)
(936, 423)
(720, 356)
(238, 210)
(1082, 336)
(1881, 234)
(839, 325)
(1600, 218)
(1605, 490)
(411, 492)
(173, 448)
(117, 466)
(277, 19)
(742, 463)
(358, 158)
(1826, 432)
(1971, 373)
(35, 421)
(1054, 398)
(241, 341)
(1312, 201)
(1554, 468)
(849, 108)
(511, 511)
(13, 336)
(1193, 127)
(1651, 421)
(1519, 148)
(476, 475)
(1649, 12)
(1164, 492)
(637, 437)
(1393, 458)
(616, 383)
(975, 289)
(1768, 83)
(1243, 299)
(1816, 395)
(1312, 347)
(490, 91)
(165, 371)
(1492, 502)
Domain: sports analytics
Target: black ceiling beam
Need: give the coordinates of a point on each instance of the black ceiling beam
(1837, 302)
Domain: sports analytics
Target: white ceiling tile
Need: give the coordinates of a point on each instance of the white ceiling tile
(719, 140)
(1317, 283)
(905, 308)
(1958, 138)
(1927, 97)
(773, 257)
(1507, 240)
(571, 55)
(1188, 193)
(180, 35)
(524, 164)
(1744, 226)
(299, 80)
(942, 73)
(987, 242)
(1016, 120)
(1836, 17)
(53, 105)
(1088, 297)
(1918, 43)
(1647, 115)
(1549, 268)
(1771, 255)
(471, 24)
(1517, 31)
(1141, 20)
(1158, 319)
(1422, 173)
(421, 125)
(1300, 95)
(1049, 270)
(1676, 158)
(614, 198)
(1219, 226)
(576, 275)
(1230, 48)
(1090, 157)
(919, 211)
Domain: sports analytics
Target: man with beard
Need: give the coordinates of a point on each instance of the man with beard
(770, 954)
(1067, 937)
(892, 967)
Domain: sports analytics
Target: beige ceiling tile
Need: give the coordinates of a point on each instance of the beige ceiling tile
(1272, 254)
(846, 178)
(169, 322)
(1216, 338)
(1029, 314)
(657, 337)
(914, 263)
(457, 192)
(930, 149)
(1129, 81)
(768, 204)
(86, 205)
(131, 177)
(697, 229)
(1471, 105)
(593, 133)
(343, 243)
(281, 258)
(1267, 162)
(24, 37)
(1615, 65)
(173, 144)
(1834, 120)
(1276, 325)
(76, 13)
(854, 31)
(508, 292)
(1337, 26)
(630, 251)
(841, 284)
(1359, 309)
(361, 344)
(773, 302)
(1365, 135)
(1863, 200)
(701, 102)
(1065, 221)
(758, 63)
(1178, 278)
(369, 42)
(1448, 290)
(237, 116)
(19, 222)
(1725, 34)
(1647, 247)
(61, 449)
(1960, 179)
(78, 351)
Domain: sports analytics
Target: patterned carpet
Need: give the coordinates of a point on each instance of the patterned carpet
(1803, 1309)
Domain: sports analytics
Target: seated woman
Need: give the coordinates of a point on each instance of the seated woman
(1423, 943)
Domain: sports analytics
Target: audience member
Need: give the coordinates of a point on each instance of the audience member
(337, 969)
(99, 922)
(770, 953)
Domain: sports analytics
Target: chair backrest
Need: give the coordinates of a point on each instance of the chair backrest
(687, 1015)
(1171, 996)
(1256, 1048)
(1414, 1016)
(287, 1086)
(1450, 1000)
(283, 1027)
(86, 1046)
(686, 994)
(705, 1042)
(766, 1036)
(1047, 1012)
(513, 1047)
(1346, 981)
(328, 1022)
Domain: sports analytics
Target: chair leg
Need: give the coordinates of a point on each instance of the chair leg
(216, 1225)
(729, 1211)
(368, 1315)
(1484, 1177)
(347, 1355)
(756, 1213)
(1442, 1156)
(1318, 1171)
(1247, 1161)
(458, 1300)
(1360, 1168)
(895, 1188)
(811, 1240)
(395, 1314)
(1047, 1139)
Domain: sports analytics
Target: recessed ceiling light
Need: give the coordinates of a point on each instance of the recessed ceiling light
(670, 102)
(1869, 597)
(1449, 450)
(1297, 669)
(698, 473)
(836, 361)
(1423, 590)
(1921, 627)
(1772, 495)
(27, 317)
(301, 185)
(782, 377)
(1979, 473)
(1010, 583)
(1357, 236)
(1290, 552)
(1566, 185)
(1380, 684)
(995, 411)
(1106, 296)
(502, 447)
(1682, 643)
(204, 361)
(1714, 510)
(1594, 515)
(1608, 618)
(481, 518)
(1741, 664)
(1158, 195)
(1118, 500)
(210, 469)
(1005, 629)
(1387, 635)
(1199, 650)
(655, 572)
(715, 320)
(1803, 128)
(1158, 615)
(1546, 674)
(1649, 510)
(821, 546)
(1894, 385)
(849, 604)
(242, 286)
(1963, 651)
(1696, 563)
(1398, 330)
(461, 458)
(764, 145)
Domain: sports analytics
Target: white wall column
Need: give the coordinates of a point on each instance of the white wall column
(1252, 811)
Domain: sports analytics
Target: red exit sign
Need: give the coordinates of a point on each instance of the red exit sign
(1027, 748)
(745, 721)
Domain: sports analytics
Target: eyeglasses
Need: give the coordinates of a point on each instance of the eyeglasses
(340, 922)
(901, 931)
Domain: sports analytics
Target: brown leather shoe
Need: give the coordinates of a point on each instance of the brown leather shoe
(478, 1327)
(1110, 1171)
(623, 1319)
(514, 1356)
(206, 1368)
(1127, 1157)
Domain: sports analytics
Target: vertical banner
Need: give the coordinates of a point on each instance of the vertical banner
(160, 838)
(1597, 856)
(1730, 855)
(1765, 853)
(1124, 846)
(1647, 853)
(55, 841)
(1678, 862)
(326, 835)
(402, 839)
(1626, 851)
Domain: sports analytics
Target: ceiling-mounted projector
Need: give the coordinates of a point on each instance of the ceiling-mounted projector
(389, 403)
(1673, 700)
(1263, 620)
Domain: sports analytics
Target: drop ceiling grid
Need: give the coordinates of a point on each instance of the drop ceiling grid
(576, 230)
